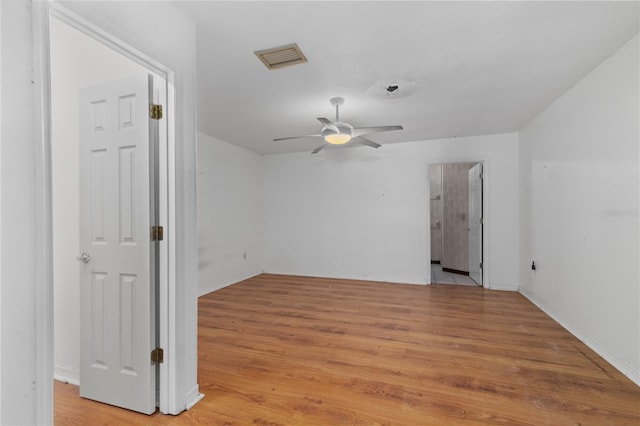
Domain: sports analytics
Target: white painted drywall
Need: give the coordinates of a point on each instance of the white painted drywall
(579, 204)
(77, 61)
(229, 213)
(364, 214)
(137, 24)
(19, 386)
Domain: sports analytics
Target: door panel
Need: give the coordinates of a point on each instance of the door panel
(475, 223)
(117, 295)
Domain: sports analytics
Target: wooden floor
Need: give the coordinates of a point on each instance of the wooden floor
(282, 350)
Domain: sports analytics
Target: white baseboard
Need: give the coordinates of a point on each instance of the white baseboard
(502, 287)
(202, 292)
(630, 372)
(66, 375)
(377, 279)
(193, 396)
(195, 401)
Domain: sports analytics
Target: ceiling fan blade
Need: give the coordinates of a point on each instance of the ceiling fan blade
(367, 142)
(328, 124)
(318, 149)
(296, 137)
(358, 131)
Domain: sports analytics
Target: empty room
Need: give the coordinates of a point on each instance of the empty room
(320, 213)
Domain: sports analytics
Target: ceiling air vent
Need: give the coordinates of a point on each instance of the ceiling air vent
(280, 57)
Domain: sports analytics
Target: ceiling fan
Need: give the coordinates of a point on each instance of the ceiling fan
(339, 133)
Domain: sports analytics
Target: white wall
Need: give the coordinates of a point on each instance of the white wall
(18, 278)
(26, 314)
(137, 24)
(363, 214)
(579, 203)
(19, 385)
(77, 61)
(229, 213)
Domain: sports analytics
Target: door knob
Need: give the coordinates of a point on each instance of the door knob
(84, 257)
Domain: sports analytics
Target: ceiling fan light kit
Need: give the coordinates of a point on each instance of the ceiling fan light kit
(339, 133)
(337, 138)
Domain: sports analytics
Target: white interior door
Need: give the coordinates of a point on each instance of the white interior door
(117, 294)
(475, 223)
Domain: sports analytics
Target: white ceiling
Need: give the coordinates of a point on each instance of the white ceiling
(464, 68)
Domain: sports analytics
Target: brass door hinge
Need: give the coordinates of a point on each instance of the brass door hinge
(155, 111)
(157, 233)
(157, 356)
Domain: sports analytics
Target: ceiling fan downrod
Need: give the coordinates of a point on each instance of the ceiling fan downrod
(337, 102)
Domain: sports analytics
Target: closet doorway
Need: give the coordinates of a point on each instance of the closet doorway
(456, 226)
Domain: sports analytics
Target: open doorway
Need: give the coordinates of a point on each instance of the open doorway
(456, 223)
(79, 61)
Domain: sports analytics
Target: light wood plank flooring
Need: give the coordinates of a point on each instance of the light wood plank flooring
(283, 350)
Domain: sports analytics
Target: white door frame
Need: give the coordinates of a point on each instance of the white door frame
(43, 214)
(486, 255)
(41, 13)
